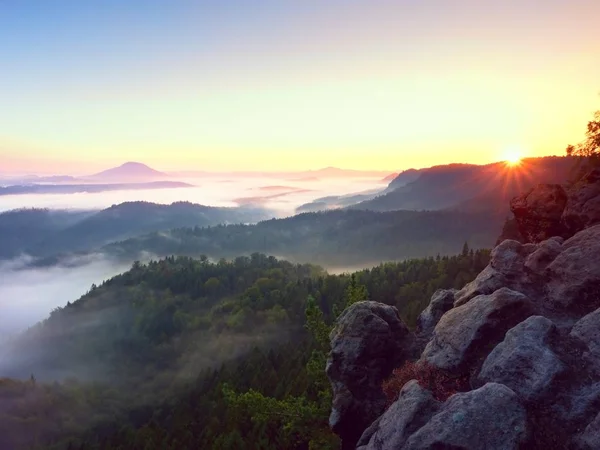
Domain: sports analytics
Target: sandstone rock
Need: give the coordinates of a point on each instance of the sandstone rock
(487, 282)
(470, 331)
(506, 269)
(524, 361)
(509, 257)
(545, 253)
(538, 212)
(441, 301)
(583, 205)
(573, 278)
(412, 410)
(367, 343)
(590, 438)
(491, 417)
(581, 404)
(588, 331)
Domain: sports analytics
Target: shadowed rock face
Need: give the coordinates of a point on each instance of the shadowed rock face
(441, 301)
(573, 277)
(538, 212)
(550, 210)
(526, 331)
(367, 343)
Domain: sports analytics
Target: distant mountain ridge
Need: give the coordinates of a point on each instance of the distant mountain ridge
(88, 187)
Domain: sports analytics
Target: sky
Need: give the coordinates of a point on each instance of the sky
(286, 85)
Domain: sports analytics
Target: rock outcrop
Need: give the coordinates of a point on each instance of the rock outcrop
(367, 343)
(524, 335)
(551, 210)
(538, 212)
(587, 330)
(524, 361)
(441, 302)
(491, 417)
(409, 413)
(468, 332)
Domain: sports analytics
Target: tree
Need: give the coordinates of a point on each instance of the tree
(355, 292)
(590, 146)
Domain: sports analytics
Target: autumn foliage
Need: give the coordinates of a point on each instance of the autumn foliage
(439, 382)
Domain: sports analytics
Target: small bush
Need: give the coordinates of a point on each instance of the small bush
(439, 382)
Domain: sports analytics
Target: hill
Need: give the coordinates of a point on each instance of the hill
(334, 239)
(129, 171)
(488, 187)
(44, 233)
(23, 228)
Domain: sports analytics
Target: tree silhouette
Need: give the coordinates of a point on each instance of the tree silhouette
(590, 146)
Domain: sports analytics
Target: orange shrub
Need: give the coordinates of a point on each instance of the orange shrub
(436, 380)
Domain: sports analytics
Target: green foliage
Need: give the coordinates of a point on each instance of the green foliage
(355, 292)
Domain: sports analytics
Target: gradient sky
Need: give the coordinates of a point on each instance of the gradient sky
(277, 84)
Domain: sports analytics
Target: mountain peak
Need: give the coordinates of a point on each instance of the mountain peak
(130, 170)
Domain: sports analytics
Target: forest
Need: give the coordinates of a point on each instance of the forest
(334, 239)
(186, 353)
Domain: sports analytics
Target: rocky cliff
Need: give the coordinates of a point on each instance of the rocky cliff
(511, 361)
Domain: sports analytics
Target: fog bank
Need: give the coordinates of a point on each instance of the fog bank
(27, 295)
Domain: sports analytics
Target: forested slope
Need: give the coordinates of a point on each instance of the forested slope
(158, 357)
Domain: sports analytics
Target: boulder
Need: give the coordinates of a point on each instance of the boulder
(583, 205)
(468, 332)
(524, 361)
(487, 282)
(573, 278)
(412, 410)
(544, 254)
(506, 269)
(538, 213)
(368, 341)
(590, 438)
(588, 331)
(577, 406)
(491, 417)
(441, 301)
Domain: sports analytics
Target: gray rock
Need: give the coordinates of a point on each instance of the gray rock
(414, 407)
(538, 213)
(588, 331)
(573, 278)
(491, 417)
(545, 253)
(524, 361)
(367, 343)
(470, 331)
(578, 405)
(487, 282)
(506, 269)
(509, 257)
(583, 205)
(590, 438)
(441, 301)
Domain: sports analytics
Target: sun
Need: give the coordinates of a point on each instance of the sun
(513, 156)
